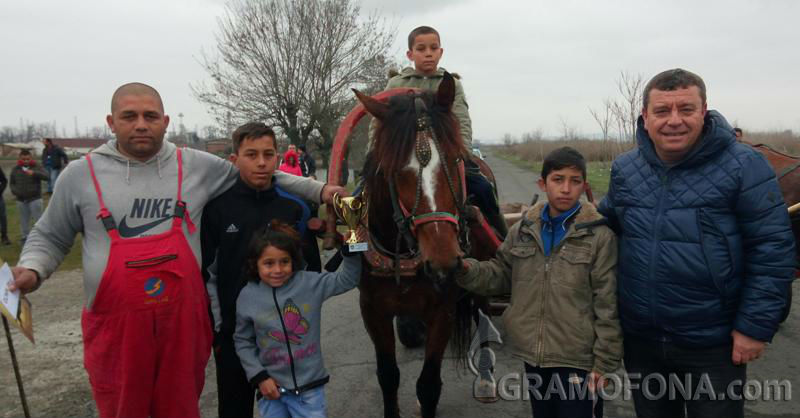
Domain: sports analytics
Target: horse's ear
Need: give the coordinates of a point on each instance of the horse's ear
(374, 107)
(447, 91)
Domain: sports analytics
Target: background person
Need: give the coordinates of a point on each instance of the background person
(3, 218)
(291, 162)
(54, 159)
(26, 186)
(706, 250)
(307, 163)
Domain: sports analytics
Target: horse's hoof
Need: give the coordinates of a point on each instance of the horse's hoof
(485, 391)
(418, 411)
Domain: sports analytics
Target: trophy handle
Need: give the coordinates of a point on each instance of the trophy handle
(336, 202)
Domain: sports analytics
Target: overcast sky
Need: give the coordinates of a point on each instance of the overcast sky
(525, 64)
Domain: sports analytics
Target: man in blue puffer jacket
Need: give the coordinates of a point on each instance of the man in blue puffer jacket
(706, 252)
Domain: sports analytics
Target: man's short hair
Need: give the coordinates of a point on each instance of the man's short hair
(421, 30)
(134, 89)
(674, 79)
(738, 130)
(24, 152)
(563, 157)
(252, 130)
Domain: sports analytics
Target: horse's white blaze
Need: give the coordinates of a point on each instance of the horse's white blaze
(428, 175)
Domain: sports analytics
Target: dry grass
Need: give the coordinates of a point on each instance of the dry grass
(592, 150)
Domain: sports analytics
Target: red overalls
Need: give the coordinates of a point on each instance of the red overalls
(147, 337)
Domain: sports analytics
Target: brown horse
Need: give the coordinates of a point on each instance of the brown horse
(413, 184)
(787, 169)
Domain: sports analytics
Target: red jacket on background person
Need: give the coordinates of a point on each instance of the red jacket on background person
(291, 163)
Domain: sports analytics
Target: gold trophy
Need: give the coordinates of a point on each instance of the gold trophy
(351, 210)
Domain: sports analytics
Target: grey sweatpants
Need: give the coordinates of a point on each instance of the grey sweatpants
(29, 213)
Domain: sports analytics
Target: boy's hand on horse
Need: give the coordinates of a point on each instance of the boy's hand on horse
(25, 280)
(269, 389)
(329, 190)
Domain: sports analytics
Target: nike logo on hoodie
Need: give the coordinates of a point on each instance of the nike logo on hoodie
(126, 231)
(160, 210)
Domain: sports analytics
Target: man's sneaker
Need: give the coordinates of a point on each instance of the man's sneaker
(5, 240)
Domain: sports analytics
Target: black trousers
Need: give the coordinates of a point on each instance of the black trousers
(236, 396)
(707, 375)
(561, 392)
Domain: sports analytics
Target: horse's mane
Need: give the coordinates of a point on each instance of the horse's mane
(396, 135)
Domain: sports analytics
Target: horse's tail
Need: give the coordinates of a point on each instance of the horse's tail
(462, 328)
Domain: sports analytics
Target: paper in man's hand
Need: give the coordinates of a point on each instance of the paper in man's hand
(10, 300)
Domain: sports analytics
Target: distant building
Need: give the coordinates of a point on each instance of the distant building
(74, 147)
(12, 149)
(219, 146)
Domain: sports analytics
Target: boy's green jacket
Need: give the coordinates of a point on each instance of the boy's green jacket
(409, 77)
(563, 310)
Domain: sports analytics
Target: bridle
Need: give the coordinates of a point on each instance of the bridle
(409, 221)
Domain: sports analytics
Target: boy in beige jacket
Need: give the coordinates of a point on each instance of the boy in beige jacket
(559, 264)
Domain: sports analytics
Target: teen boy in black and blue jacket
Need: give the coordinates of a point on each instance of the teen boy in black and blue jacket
(227, 225)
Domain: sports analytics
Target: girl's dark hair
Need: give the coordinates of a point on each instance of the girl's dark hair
(279, 235)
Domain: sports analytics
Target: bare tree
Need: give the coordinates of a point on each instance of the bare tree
(627, 108)
(604, 119)
(291, 64)
(568, 131)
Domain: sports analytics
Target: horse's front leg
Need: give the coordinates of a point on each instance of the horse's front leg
(429, 385)
(381, 330)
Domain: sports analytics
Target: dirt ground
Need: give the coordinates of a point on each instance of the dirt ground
(55, 382)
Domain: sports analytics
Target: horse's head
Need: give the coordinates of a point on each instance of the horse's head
(412, 176)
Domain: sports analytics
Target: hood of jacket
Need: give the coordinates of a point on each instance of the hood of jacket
(291, 158)
(110, 149)
(716, 135)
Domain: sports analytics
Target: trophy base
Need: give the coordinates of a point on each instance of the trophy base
(358, 247)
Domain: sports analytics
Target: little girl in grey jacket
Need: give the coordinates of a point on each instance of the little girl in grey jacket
(277, 323)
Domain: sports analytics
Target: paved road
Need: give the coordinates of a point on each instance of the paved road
(57, 383)
(515, 184)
